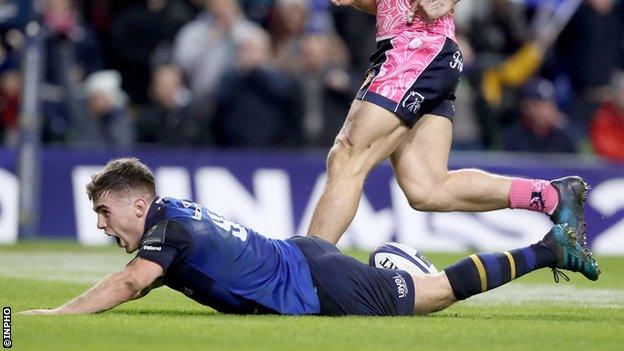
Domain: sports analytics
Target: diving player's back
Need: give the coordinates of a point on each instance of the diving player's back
(271, 273)
(391, 21)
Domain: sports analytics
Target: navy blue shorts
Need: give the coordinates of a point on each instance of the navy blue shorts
(413, 74)
(346, 286)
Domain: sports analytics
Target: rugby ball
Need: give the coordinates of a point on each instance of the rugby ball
(392, 255)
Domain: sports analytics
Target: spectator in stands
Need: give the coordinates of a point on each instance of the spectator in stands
(258, 11)
(320, 20)
(591, 48)
(137, 32)
(498, 34)
(292, 21)
(326, 91)
(65, 27)
(173, 116)
(108, 123)
(256, 104)
(10, 95)
(467, 134)
(496, 28)
(72, 53)
(205, 47)
(541, 126)
(607, 126)
(287, 28)
(357, 29)
(10, 100)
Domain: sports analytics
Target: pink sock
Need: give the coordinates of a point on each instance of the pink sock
(533, 194)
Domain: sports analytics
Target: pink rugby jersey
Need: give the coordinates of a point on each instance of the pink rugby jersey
(391, 21)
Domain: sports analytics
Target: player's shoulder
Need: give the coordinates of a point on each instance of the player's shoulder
(168, 231)
(173, 208)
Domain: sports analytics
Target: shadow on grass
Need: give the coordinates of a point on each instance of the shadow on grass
(170, 312)
(165, 312)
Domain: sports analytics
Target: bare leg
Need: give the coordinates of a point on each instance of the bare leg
(369, 134)
(421, 167)
(433, 293)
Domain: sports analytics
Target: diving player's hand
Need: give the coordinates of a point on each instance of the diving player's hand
(432, 9)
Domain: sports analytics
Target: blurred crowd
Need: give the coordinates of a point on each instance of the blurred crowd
(539, 76)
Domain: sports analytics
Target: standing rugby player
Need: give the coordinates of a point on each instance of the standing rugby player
(404, 111)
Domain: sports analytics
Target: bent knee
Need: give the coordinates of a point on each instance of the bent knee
(346, 157)
(429, 196)
(423, 202)
(433, 294)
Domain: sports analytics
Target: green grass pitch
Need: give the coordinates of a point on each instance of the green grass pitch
(532, 313)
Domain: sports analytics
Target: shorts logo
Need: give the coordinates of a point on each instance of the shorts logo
(413, 101)
(457, 62)
(401, 285)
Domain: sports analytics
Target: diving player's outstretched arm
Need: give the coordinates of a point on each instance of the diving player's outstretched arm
(369, 6)
(130, 283)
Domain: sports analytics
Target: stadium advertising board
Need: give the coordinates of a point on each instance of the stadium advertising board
(276, 193)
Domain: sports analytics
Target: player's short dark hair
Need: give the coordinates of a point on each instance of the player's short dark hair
(122, 174)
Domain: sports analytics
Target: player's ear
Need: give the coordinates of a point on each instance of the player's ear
(140, 207)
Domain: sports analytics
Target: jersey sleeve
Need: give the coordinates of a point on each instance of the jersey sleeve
(165, 243)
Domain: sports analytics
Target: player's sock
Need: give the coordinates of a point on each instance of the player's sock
(533, 194)
(481, 272)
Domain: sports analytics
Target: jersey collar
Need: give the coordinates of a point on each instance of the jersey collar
(155, 213)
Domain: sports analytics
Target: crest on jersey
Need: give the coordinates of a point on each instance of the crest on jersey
(156, 234)
(458, 61)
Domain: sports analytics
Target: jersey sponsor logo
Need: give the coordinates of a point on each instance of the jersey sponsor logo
(151, 248)
(413, 101)
(401, 285)
(198, 214)
(457, 62)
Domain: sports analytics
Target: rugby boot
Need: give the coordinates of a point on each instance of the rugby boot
(572, 193)
(563, 240)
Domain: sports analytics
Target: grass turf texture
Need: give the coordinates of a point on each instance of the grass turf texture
(531, 313)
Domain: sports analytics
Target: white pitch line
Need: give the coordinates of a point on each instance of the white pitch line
(518, 294)
(61, 267)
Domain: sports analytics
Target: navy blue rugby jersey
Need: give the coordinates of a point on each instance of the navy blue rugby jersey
(223, 264)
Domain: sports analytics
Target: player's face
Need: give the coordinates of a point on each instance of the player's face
(120, 217)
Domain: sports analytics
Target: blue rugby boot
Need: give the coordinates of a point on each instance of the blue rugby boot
(563, 240)
(572, 193)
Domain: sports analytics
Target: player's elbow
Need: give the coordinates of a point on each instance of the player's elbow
(130, 285)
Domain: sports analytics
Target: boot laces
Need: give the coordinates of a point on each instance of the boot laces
(559, 273)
